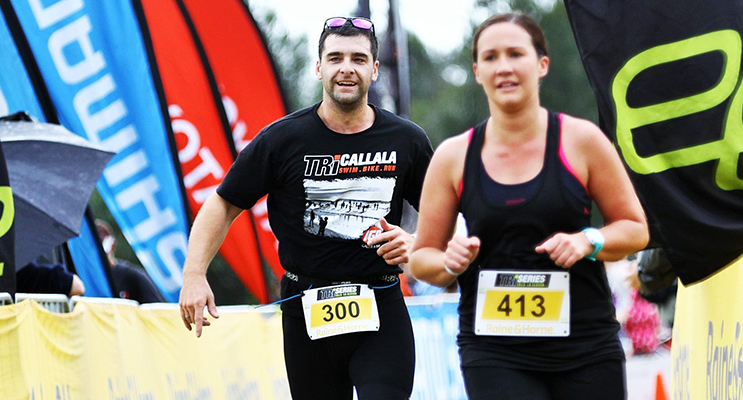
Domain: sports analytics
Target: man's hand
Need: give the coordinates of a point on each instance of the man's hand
(398, 243)
(195, 295)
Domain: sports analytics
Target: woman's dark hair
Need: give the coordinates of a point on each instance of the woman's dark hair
(530, 26)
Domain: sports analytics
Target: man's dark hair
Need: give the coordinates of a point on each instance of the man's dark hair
(349, 30)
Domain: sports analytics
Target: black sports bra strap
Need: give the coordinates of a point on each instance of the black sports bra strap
(552, 156)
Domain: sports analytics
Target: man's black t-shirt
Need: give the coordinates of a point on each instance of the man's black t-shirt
(327, 191)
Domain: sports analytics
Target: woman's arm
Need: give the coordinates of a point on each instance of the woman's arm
(598, 166)
(434, 246)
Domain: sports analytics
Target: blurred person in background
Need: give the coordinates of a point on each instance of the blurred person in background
(131, 282)
(36, 277)
(640, 319)
(658, 284)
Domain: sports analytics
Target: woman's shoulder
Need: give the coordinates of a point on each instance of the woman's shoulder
(583, 144)
(448, 159)
(579, 126)
(455, 145)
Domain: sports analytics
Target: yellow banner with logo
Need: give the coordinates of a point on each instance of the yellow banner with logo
(112, 351)
(707, 350)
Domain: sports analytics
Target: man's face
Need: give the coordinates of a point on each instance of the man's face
(346, 69)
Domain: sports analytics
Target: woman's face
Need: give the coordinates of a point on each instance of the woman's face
(508, 67)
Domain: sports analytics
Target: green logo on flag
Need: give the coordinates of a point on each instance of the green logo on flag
(727, 149)
(6, 220)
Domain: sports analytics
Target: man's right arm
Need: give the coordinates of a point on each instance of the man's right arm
(207, 234)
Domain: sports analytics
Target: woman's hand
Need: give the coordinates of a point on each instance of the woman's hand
(460, 252)
(565, 249)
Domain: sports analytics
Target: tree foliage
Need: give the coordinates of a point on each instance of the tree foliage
(290, 54)
(444, 109)
(566, 87)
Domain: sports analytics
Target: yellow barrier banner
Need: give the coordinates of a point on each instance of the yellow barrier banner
(707, 350)
(124, 352)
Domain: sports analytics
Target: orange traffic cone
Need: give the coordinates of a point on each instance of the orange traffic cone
(660, 390)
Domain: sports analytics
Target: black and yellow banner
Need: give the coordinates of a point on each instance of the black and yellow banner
(667, 78)
(7, 235)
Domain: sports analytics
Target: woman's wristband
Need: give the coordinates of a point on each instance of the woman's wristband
(452, 273)
(596, 238)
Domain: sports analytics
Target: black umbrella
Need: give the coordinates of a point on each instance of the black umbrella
(52, 174)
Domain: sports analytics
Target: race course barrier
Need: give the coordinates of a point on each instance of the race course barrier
(116, 350)
(125, 352)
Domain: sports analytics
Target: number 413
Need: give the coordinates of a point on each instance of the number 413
(536, 305)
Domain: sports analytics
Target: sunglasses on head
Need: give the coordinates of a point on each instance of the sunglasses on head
(357, 22)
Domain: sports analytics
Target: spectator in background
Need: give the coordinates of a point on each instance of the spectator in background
(658, 283)
(48, 278)
(132, 282)
(641, 323)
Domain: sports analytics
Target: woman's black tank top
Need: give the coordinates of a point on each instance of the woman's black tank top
(510, 225)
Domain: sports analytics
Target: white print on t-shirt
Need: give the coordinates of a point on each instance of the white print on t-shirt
(353, 163)
(346, 208)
